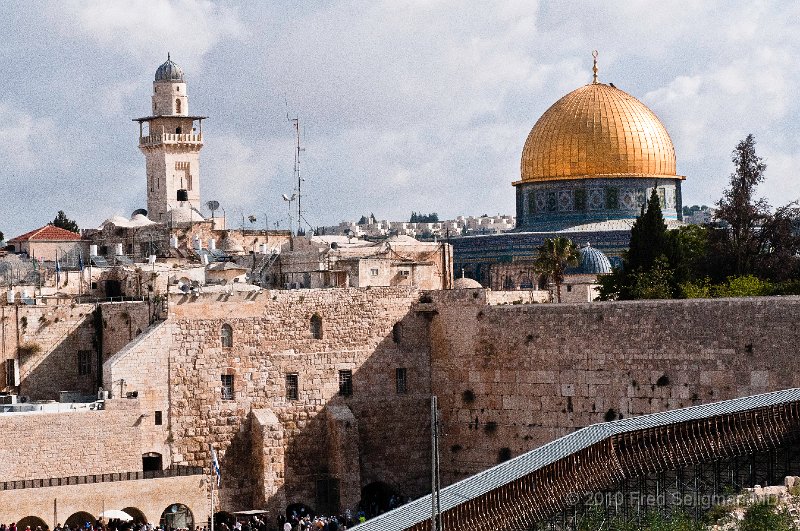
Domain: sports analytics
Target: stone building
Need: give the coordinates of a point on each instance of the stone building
(338, 261)
(47, 243)
(171, 140)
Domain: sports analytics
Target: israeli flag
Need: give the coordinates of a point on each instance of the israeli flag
(215, 465)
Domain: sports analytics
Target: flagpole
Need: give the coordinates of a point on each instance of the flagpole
(212, 500)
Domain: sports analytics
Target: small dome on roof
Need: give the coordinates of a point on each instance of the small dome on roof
(185, 214)
(593, 261)
(466, 283)
(169, 71)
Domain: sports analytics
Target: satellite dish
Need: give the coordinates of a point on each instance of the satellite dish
(142, 211)
(212, 205)
(285, 197)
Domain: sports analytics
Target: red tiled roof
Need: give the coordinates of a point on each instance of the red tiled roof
(48, 233)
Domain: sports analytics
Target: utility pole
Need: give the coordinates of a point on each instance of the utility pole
(436, 506)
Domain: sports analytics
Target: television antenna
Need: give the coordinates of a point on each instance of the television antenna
(296, 123)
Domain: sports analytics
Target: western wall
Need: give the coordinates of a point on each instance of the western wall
(512, 377)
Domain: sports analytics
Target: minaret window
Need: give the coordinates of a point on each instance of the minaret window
(178, 106)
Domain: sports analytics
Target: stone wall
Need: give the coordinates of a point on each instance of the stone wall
(143, 367)
(52, 445)
(370, 332)
(149, 496)
(47, 341)
(510, 378)
(50, 337)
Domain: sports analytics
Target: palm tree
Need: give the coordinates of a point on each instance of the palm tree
(554, 256)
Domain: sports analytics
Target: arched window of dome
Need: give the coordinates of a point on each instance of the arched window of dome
(226, 336)
(178, 105)
(316, 326)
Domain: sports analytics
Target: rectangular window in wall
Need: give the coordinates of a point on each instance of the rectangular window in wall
(292, 387)
(11, 373)
(227, 386)
(373, 272)
(159, 418)
(401, 380)
(346, 383)
(84, 362)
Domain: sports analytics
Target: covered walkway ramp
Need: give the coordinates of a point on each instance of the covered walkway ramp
(530, 490)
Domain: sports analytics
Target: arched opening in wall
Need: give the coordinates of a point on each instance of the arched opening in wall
(151, 461)
(316, 326)
(508, 283)
(525, 282)
(298, 510)
(377, 498)
(78, 520)
(137, 515)
(178, 130)
(178, 105)
(397, 332)
(33, 522)
(226, 336)
(177, 516)
(224, 517)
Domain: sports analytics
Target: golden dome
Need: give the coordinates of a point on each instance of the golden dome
(597, 131)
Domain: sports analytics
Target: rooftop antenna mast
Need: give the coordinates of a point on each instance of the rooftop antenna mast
(296, 123)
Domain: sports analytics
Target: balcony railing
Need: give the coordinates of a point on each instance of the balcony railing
(170, 138)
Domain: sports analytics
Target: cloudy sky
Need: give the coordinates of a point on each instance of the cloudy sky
(404, 104)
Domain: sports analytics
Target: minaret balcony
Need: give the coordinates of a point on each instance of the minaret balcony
(170, 138)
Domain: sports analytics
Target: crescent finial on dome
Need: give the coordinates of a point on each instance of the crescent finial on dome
(594, 67)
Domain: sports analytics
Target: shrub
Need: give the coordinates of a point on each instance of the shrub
(766, 517)
(695, 290)
(29, 348)
(743, 286)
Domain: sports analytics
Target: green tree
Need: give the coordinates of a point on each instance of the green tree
(648, 236)
(649, 245)
(741, 215)
(1, 235)
(64, 222)
(687, 253)
(653, 283)
(553, 257)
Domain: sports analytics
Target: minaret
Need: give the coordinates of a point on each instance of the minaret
(171, 140)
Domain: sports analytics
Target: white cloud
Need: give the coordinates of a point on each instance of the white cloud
(145, 29)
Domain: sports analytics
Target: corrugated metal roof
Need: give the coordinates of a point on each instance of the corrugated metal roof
(420, 510)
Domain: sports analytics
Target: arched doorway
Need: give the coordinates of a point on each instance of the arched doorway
(78, 520)
(177, 516)
(377, 498)
(137, 515)
(33, 522)
(151, 461)
(299, 510)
